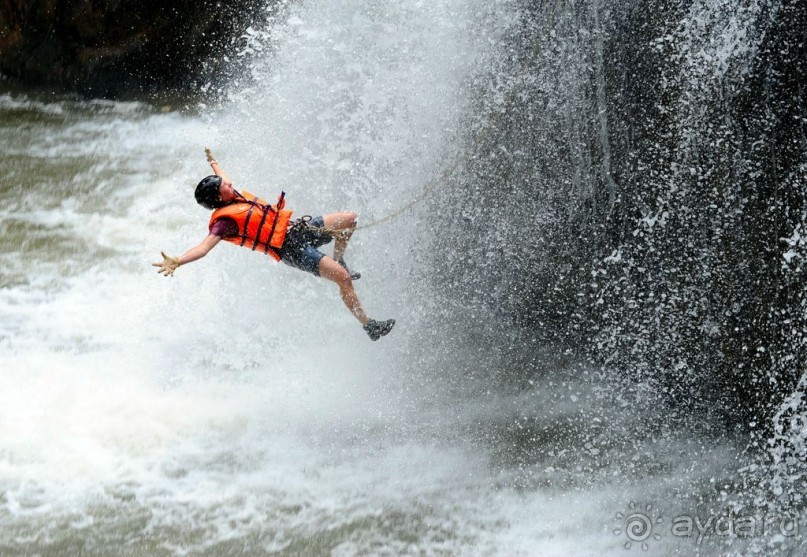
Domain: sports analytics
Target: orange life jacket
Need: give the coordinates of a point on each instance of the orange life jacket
(260, 225)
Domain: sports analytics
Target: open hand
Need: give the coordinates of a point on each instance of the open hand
(168, 265)
(209, 154)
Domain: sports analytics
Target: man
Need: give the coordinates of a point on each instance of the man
(249, 221)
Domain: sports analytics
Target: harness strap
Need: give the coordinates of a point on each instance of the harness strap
(274, 223)
(260, 227)
(252, 204)
(246, 224)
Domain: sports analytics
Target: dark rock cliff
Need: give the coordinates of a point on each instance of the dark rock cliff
(119, 48)
(641, 196)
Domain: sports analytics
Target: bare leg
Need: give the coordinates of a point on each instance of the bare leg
(345, 223)
(333, 271)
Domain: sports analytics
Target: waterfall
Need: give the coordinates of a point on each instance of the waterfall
(595, 261)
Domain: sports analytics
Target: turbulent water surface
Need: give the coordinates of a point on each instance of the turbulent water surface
(237, 408)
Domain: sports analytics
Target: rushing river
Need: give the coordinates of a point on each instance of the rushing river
(237, 408)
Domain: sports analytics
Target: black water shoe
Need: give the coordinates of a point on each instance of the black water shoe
(353, 275)
(377, 329)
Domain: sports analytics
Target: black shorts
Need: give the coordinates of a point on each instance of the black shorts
(300, 246)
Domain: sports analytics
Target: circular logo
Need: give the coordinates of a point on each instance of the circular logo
(637, 525)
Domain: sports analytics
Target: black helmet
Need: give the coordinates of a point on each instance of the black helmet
(207, 193)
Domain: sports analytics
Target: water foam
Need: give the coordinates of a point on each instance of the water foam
(237, 406)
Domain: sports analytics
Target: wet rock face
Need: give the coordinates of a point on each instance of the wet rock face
(642, 195)
(120, 48)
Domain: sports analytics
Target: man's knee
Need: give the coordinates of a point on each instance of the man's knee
(350, 219)
(342, 278)
(332, 271)
(341, 221)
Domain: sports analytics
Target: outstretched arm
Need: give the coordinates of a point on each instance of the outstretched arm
(170, 264)
(214, 164)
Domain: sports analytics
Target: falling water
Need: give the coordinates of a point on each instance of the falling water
(237, 408)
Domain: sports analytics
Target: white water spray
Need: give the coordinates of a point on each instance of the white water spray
(238, 406)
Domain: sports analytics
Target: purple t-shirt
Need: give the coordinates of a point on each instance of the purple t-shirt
(225, 227)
